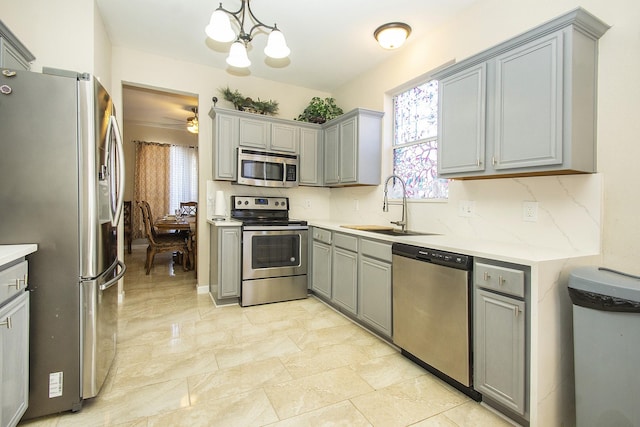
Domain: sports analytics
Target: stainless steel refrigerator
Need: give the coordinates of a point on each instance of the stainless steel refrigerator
(61, 186)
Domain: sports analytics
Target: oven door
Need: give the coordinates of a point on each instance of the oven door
(274, 252)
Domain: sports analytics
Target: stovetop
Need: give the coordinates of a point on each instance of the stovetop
(262, 211)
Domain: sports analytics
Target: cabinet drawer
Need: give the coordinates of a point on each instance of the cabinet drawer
(345, 241)
(373, 249)
(13, 280)
(501, 279)
(322, 235)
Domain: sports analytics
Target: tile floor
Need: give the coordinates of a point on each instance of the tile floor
(184, 362)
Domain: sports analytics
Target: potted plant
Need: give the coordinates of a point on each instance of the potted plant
(320, 110)
(242, 103)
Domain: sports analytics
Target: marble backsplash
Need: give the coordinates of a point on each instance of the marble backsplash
(569, 209)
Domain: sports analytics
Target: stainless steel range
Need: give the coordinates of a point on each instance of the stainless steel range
(274, 250)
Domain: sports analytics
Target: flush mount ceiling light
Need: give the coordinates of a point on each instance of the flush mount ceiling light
(219, 29)
(192, 122)
(392, 35)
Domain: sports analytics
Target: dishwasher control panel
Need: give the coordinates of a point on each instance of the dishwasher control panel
(435, 256)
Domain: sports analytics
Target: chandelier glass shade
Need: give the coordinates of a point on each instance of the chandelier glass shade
(220, 29)
(392, 35)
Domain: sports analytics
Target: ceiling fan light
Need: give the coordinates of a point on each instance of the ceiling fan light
(192, 124)
(392, 35)
(219, 28)
(238, 56)
(276, 45)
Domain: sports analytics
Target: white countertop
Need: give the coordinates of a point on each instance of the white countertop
(518, 253)
(10, 253)
(227, 222)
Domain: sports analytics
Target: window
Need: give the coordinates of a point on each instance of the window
(415, 146)
(183, 176)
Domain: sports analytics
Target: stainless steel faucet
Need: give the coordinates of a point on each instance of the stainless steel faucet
(385, 202)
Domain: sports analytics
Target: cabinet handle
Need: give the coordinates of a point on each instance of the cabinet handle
(7, 323)
(516, 311)
(501, 280)
(486, 276)
(493, 160)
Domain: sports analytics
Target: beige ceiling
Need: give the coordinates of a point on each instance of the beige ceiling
(331, 41)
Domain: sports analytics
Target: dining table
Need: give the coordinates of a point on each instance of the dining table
(170, 223)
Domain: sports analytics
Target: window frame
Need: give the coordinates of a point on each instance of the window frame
(420, 80)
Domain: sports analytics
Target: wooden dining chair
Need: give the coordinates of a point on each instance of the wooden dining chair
(159, 243)
(189, 208)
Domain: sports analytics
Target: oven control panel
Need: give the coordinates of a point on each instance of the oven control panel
(253, 203)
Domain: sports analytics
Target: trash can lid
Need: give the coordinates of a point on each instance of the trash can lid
(600, 280)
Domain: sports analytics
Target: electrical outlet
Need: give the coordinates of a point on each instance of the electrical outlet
(307, 204)
(466, 208)
(530, 211)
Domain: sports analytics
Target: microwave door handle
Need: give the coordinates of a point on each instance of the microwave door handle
(284, 173)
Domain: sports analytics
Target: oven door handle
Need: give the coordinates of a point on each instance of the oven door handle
(274, 227)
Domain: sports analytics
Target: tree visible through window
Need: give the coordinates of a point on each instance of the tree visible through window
(415, 133)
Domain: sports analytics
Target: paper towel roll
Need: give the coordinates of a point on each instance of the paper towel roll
(220, 206)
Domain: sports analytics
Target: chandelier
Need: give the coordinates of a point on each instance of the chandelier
(219, 29)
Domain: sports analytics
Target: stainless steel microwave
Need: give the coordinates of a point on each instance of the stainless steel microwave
(264, 169)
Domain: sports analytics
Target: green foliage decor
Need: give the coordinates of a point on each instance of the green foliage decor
(242, 103)
(320, 110)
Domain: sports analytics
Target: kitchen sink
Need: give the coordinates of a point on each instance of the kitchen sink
(397, 232)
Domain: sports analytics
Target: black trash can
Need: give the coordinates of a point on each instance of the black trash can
(606, 339)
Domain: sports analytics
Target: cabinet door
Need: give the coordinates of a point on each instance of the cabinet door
(345, 279)
(14, 360)
(461, 131)
(374, 292)
(254, 133)
(284, 137)
(10, 58)
(225, 147)
(311, 162)
(348, 151)
(499, 369)
(331, 155)
(528, 110)
(229, 260)
(321, 269)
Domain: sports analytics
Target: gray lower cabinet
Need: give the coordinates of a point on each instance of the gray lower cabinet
(524, 107)
(14, 359)
(321, 269)
(13, 54)
(226, 262)
(354, 275)
(500, 335)
(374, 293)
(344, 272)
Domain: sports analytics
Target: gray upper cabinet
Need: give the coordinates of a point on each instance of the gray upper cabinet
(13, 54)
(344, 151)
(311, 159)
(524, 107)
(352, 144)
(462, 121)
(225, 145)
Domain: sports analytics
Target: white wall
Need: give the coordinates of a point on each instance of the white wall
(66, 34)
(138, 68)
(573, 210)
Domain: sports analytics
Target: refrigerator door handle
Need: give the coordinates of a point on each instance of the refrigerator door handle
(119, 276)
(114, 131)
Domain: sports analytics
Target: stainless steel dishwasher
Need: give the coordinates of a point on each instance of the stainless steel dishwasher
(432, 312)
